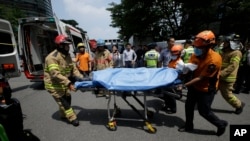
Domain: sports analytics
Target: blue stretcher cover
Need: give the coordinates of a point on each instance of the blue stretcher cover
(131, 79)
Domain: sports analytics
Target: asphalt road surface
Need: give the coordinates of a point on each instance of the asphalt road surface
(42, 117)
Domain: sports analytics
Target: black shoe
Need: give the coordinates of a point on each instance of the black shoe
(75, 122)
(239, 110)
(63, 118)
(221, 130)
(185, 129)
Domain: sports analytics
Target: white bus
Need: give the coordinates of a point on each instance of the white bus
(110, 42)
(36, 40)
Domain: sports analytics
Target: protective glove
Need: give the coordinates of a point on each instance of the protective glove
(72, 87)
(191, 66)
(180, 65)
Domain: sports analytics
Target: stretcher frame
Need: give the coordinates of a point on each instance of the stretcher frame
(113, 115)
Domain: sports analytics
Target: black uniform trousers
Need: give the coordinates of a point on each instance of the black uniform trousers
(203, 101)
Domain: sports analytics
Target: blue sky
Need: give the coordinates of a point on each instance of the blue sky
(91, 16)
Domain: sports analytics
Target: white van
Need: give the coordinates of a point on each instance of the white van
(36, 40)
(9, 58)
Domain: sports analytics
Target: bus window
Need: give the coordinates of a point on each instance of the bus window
(6, 45)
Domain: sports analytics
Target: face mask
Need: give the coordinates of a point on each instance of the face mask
(173, 57)
(234, 45)
(198, 52)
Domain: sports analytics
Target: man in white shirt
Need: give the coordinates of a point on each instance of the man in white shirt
(129, 57)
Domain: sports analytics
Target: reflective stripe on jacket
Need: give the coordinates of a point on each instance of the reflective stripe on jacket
(103, 60)
(230, 65)
(58, 69)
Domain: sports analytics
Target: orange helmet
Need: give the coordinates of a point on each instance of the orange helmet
(62, 39)
(204, 38)
(176, 49)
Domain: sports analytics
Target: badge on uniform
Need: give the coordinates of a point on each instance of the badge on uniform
(211, 68)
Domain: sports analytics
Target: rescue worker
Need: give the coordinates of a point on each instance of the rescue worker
(170, 101)
(242, 74)
(59, 67)
(103, 57)
(83, 60)
(231, 57)
(188, 51)
(202, 88)
(151, 57)
(219, 44)
(103, 60)
(93, 46)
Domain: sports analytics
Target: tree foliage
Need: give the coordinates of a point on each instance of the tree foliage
(179, 18)
(12, 15)
(145, 18)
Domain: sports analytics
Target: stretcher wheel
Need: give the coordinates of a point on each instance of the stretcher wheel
(112, 126)
(150, 129)
(150, 114)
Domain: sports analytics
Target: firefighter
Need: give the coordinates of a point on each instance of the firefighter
(151, 57)
(170, 101)
(58, 69)
(231, 57)
(203, 86)
(103, 60)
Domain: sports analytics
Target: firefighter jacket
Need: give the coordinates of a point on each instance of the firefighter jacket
(230, 64)
(103, 60)
(58, 69)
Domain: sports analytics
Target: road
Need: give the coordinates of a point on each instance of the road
(42, 117)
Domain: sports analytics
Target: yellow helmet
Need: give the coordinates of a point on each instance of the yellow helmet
(80, 45)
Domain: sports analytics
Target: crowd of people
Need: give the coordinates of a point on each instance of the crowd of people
(207, 65)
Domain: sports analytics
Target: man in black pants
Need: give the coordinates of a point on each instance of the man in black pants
(204, 84)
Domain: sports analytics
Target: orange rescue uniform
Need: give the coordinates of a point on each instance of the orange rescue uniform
(209, 68)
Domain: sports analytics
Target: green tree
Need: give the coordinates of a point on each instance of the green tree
(155, 18)
(180, 18)
(235, 17)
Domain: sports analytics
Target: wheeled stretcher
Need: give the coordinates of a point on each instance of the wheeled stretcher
(132, 79)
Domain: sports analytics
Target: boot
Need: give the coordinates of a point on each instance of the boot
(75, 122)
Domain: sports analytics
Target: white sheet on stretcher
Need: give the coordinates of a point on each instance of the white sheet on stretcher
(131, 79)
